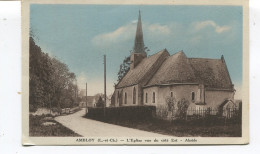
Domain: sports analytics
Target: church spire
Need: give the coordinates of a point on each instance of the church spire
(138, 53)
(139, 41)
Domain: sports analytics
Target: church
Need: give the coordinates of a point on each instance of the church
(151, 79)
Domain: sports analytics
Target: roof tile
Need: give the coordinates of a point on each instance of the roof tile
(144, 70)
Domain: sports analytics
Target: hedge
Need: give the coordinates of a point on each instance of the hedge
(132, 113)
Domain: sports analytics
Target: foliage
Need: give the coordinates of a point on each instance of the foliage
(99, 95)
(36, 127)
(171, 103)
(162, 111)
(166, 111)
(124, 68)
(182, 105)
(141, 117)
(146, 49)
(186, 129)
(128, 113)
(50, 81)
(173, 109)
(100, 102)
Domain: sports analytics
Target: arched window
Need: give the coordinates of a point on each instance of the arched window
(146, 97)
(134, 96)
(118, 97)
(125, 98)
(171, 94)
(193, 96)
(153, 97)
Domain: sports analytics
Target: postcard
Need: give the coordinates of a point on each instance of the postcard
(135, 72)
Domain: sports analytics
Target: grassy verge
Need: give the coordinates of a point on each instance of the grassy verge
(184, 129)
(36, 127)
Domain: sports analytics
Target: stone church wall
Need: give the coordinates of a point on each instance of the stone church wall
(149, 91)
(212, 98)
(215, 98)
(179, 92)
(129, 99)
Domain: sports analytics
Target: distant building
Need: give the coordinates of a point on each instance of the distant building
(203, 82)
(91, 101)
(109, 100)
(82, 104)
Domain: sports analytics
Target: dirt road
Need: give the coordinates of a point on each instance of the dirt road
(92, 128)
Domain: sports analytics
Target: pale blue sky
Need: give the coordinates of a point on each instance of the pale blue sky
(79, 35)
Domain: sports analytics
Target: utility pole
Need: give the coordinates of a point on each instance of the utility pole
(105, 93)
(86, 105)
(76, 91)
(50, 102)
(86, 93)
(76, 95)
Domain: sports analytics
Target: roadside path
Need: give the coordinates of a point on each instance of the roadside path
(92, 128)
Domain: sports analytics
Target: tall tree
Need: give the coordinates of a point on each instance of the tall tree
(51, 83)
(100, 102)
(39, 76)
(124, 68)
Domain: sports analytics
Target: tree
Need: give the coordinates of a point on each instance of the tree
(171, 103)
(64, 86)
(51, 84)
(182, 105)
(100, 102)
(124, 68)
(146, 49)
(39, 76)
(176, 109)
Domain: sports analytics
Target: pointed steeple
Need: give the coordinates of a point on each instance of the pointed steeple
(138, 53)
(139, 41)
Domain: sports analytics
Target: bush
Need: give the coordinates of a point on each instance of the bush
(173, 109)
(162, 111)
(37, 129)
(182, 105)
(32, 108)
(131, 113)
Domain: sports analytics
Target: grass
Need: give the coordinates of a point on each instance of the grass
(184, 129)
(58, 130)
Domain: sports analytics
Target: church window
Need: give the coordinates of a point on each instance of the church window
(153, 97)
(134, 96)
(125, 98)
(146, 97)
(171, 94)
(193, 96)
(118, 97)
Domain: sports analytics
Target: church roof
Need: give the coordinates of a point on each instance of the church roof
(142, 73)
(175, 69)
(163, 69)
(211, 72)
(178, 68)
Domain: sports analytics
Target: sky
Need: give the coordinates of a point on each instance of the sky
(80, 35)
